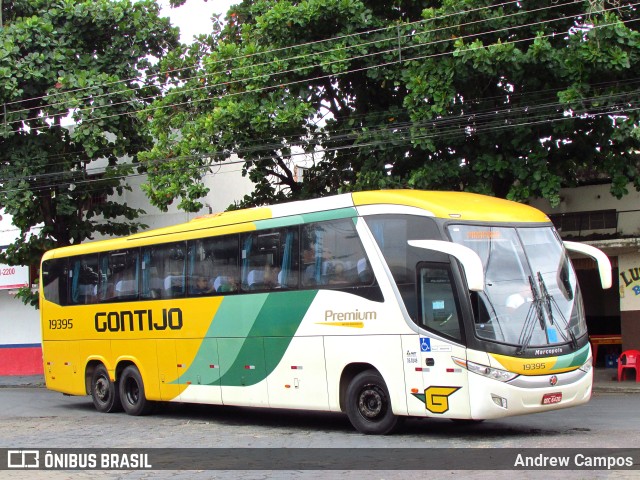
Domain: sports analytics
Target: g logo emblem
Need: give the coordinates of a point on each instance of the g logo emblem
(437, 398)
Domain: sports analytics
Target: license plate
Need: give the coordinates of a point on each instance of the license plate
(551, 398)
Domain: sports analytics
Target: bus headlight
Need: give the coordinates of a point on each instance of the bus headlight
(486, 371)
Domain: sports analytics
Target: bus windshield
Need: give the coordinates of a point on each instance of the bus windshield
(531, 296)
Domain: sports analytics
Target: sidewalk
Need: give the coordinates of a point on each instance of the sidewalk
(21, 381)
(604, 381)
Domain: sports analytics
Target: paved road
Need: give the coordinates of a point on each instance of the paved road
(38, 418)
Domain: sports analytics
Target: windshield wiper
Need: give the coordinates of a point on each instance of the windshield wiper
(537, 301)
(529, 324)
(549, 303)
(545, 298)
(527, 330)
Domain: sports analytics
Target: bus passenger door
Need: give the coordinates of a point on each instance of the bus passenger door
(445, 384)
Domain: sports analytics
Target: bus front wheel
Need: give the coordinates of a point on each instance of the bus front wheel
(369, 405)
(104, 392)
(132, 393)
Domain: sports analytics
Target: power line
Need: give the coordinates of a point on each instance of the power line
(296, 82)
(377, 66)
(393, 128)
(274, 50)
(452, 131)
(337, 136)
(392, 38)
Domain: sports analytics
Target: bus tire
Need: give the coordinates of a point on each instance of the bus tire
(104, 392)
(132, 394)
(368, 404)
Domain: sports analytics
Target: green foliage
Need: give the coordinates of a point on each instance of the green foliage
(515, 99)
(89, 61)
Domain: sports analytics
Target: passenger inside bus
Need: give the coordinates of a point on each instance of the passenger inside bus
(202, 286)
(224, 284)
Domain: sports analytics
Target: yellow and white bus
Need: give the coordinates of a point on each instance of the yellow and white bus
(382, 304)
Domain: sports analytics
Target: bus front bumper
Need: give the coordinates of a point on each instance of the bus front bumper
(528, 394)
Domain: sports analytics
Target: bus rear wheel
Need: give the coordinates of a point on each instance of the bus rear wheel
(132, 393)
(104, 392)
(369, 405)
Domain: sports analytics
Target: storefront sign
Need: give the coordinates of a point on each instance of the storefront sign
(13, 277)
(630, 277)
(629, 281)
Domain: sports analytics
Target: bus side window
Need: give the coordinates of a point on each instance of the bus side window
(270, 259)
(438, 306)
(84, 279)
(391, 232)
(213, 266)
(199, 268)
(163, 271)
(260, 260)
(332, 256)
(55, 279)
(119, 275)
(152, 274)
(224, 253)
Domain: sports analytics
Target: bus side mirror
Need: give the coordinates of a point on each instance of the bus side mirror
(469, 259)
(604, 265)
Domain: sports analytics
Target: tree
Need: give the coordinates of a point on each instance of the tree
(74, 76)
(515, 99)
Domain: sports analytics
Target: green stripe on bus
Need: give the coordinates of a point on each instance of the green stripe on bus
(574, 359)
(289, 220)
(241, 326)
(237, 315)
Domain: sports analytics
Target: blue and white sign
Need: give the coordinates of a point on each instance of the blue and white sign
(425, 344)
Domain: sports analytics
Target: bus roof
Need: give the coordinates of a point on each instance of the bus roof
(450, 205)
(462, 205)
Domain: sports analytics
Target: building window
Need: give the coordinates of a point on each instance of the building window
(582, 221)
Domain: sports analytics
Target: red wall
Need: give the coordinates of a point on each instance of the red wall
(21, 359)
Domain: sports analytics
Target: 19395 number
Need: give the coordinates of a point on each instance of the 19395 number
(534, 366)
(61, 324)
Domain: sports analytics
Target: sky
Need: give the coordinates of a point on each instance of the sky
(194, 17)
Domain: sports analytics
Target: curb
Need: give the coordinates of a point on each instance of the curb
(615, 389)
(22, 381)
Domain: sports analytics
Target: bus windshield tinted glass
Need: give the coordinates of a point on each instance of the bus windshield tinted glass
(530, 296)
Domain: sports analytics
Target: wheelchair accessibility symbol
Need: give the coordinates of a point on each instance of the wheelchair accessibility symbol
(425, 344)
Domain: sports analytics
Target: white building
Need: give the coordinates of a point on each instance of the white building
(20, 336)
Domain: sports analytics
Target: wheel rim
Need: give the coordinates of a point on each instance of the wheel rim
(132, 391)
(372, 402)
(101, 388)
